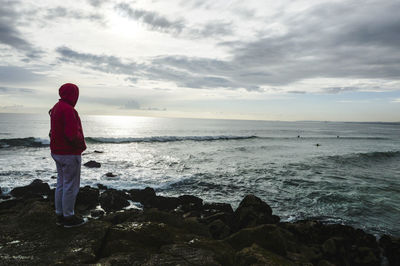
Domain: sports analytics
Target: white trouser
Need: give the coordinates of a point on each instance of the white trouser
(68, 182)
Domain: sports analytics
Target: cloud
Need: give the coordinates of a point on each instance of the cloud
(314, 44)
(62, 12)
(297, 92)
(134, 105)
(152, 19)
(157, 22)
(9, 33)
(336, 90)
(154, 109)
(107, 64)
(97, 3)
(11, 107)
(363, 43)
(15, 74)
(197, 73)
(131, 104)
(213, 28)
(8, 90)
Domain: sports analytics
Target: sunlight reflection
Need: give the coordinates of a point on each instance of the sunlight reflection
(119, 126)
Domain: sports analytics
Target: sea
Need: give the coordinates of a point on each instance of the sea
(335, 172)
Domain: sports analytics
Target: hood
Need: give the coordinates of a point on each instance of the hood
(69, 93)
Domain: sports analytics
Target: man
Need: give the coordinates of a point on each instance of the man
(67, 144)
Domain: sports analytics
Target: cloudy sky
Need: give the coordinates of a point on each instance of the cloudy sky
(273, 60)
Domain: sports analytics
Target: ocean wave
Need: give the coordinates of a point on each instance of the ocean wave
(39, 142)
(376, 156)
(24, 142)
(166, 139)
(330, 137)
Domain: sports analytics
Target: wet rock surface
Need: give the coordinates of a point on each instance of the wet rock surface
(88, 198)
(35, 189)
(92, 164)
(391, 247)
(175, 231)
(114, 200)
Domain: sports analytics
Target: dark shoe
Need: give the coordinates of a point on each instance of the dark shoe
(60, 220)
(73, 221)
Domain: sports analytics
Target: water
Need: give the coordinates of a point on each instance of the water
(352, 177)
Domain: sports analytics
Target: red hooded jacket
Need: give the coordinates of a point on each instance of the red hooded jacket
(66, 134)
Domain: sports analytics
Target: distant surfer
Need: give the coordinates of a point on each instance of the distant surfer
(317, 144)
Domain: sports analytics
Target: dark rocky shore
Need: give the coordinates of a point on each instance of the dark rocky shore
(174, 231)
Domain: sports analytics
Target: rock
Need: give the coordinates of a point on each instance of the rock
(190, 202)
(133, 258)
(337, 242)
(97, 213)
(8, 204)
(162, 203)
(130, 236)
(325, 263)
(183, 254)
(189, 225)
(196, 214)
(92, 164)
(308, 253)
(31, 237)
(101, 186)
(51, 195)
(391, 248)
(35, 214)
(142, 195)
(267, 236)
(365, 256)
(218, 229)
(223, 216)
(34, 189)
(113, 200)
(5, 197)
(109, 174)
(53, 177)
(218, 207)
(255, 255)
(88, 198)
(252, 211)
(329, 246)
(121, 217)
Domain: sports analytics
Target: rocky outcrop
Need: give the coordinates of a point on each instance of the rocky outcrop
(391, 248)
(109, 174)
(177, 231)
(35, 189)
(114, 200)
(29, 236)
(88, 198)
(142, 195)
(92, 164)
(253, 211)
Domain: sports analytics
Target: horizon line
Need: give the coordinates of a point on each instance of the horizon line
(215, 118)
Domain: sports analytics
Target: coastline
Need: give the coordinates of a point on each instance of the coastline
(175, 231)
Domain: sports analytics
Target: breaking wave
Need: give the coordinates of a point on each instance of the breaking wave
(38, 142)
(166, 139)
(24, 142)
(365, 157)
